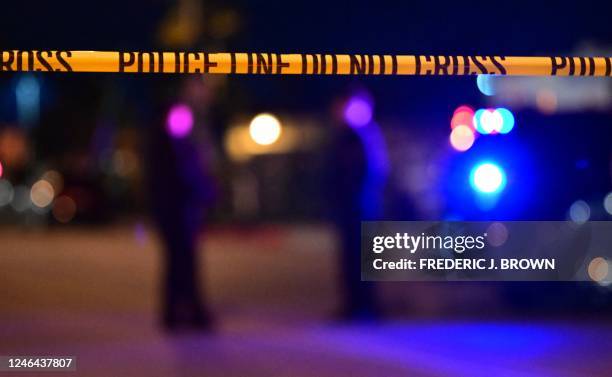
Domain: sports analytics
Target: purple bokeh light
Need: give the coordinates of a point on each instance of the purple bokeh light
(140, 234)
(180, 121)
(358, 111)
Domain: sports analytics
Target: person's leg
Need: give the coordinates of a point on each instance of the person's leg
(182, 300)
(359, 296)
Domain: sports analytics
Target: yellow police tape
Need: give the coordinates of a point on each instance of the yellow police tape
(306, 64)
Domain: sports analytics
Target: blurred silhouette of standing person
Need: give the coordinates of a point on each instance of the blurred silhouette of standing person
(357, 174)
(180, 159)
(181, 189)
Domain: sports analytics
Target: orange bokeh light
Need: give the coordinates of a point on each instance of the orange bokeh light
(462, 138)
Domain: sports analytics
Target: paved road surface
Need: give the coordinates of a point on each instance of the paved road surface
(92, 293)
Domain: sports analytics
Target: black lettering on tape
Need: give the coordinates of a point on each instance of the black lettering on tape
(582, 66)
(358, 64)
(280, 64)
(381, 59)
(177, 62)
(323, 64)
(556, 64)
(29, 60)
(264, 63)
(370, 64)
(428, 60)
(208, 64)
(187, 62)
(481, 68)
(62, 58)
(334, 64)
(304, 63)
(140, 57)
(5, 64)
(466, 65)
(455, 64)
(249, 63)
(500, 67)
(315, 64)
(126, 59)
(233, 62)
(441, 67)
(591, 66)
(43, 61)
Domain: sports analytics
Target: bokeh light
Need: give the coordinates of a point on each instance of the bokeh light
(124, 162)
(487, 178)
(64, 209)
(507, 120)
(463, 115)
(476, 120)
(497, 234)
(493, 121)
(358, 111)
(462, 138)
(140, 234)
(42, 193)
(14, 147)
(21, 198)
(485, 84)
(180, 121)
(27, 93)
(598, 269)
(265, 129)
(579, 212)
(1, 169)
(463, 108)
(6, 192)
(546, 101)
(607, 203)
(488, 121)
(55, 179)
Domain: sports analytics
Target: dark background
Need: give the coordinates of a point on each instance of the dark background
(93, 128)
